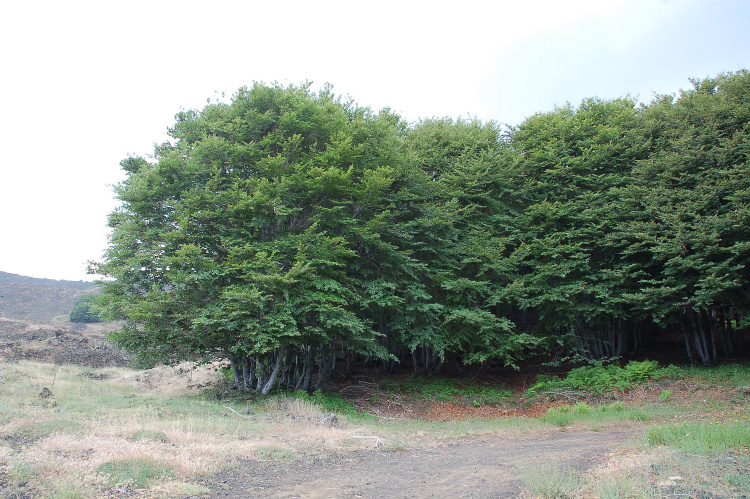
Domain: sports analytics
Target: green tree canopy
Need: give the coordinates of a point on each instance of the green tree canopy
(286, 229)
(239, 240)
(85, 310)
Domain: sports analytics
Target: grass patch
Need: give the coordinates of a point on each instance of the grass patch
(551, 482)
(73, 491)
(617, 487)
(739, 479)
(274, 454)
(565, 415)
(637, 414)
(450, 390)
(331, 402)
(153, 435)
(42, 429)
(135, 472)
(687, 475)
(21, 471)
(702, 438)
(735, 374)
(613, 407)
(405, 430)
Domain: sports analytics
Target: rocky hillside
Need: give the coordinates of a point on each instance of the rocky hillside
(82, 344)
(39, 300)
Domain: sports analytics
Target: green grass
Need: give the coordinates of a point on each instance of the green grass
(331, 402)
(739, 479)
(73, 491)
(182, 489)
(622, 486)
(403, 430)
(735, 374)
(581, 412)
(135, 472)
(702, 438)
(43, 429)
(147, 434)
(450, 390)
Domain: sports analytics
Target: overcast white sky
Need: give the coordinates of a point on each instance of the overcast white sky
(84, 84)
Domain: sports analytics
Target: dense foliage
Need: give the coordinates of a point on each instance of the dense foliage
(288, 230)
(85, 310)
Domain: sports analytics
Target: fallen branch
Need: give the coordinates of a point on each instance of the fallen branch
(570, 395)
(378, 442)
(237, 413)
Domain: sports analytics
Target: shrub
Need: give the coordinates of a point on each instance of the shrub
(597, 379)
(84, 310)
(582, 408)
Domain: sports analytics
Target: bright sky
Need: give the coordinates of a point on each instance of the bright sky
(84, 84)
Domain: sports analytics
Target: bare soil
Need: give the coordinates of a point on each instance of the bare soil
(467, 467)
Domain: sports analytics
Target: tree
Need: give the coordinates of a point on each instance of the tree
(572, 163)
(85, 310)
(688, 232)
(287, 230)
(239, 239)
(463, 224)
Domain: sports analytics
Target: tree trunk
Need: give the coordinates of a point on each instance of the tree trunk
(236, 376)
(688, 349)
(262, 367)
(247, 374)
(280, 359)
(326, 363)
(415, 360)
(309, 364)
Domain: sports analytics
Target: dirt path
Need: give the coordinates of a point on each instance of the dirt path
(476, 468)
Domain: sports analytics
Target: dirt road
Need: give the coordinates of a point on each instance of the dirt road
(477, 468)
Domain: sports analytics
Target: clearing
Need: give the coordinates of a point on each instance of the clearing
(74, 425)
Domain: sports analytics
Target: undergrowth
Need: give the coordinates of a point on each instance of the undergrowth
(735, 374)
(330, 402)
(449, 390)
(598, 379)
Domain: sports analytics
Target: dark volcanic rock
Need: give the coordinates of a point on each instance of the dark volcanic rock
(60, 345)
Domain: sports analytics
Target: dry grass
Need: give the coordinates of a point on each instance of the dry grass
(159, 429)
(56, 446)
